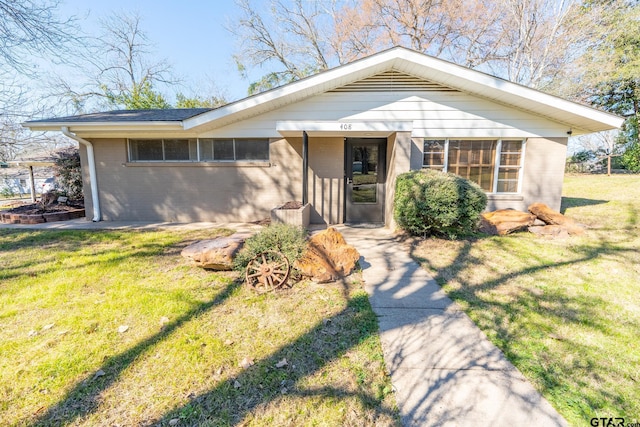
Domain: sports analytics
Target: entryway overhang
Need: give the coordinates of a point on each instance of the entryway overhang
(342, 128)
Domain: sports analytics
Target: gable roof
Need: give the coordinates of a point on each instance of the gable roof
(401, 61)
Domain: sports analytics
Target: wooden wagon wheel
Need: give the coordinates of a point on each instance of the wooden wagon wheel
(267, 271)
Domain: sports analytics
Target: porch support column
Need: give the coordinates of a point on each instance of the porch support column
(305, 167)
(32, 181)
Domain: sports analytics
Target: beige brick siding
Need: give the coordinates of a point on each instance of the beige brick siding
(187, 192)
(543, 174)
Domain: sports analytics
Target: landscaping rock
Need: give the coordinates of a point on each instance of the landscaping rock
(215, 254)
(505, 221)
(328, 257)
(551, 217)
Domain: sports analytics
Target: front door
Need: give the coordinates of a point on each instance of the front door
(365, 178)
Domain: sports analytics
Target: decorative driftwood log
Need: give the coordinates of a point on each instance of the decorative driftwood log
(551, 217)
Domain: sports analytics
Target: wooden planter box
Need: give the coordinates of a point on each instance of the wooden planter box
(299, 217)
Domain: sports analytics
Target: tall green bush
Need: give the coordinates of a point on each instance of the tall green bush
(286, 238)
(430, 202)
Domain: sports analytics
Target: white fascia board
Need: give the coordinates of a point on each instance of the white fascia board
(105, 126)
(481, 84)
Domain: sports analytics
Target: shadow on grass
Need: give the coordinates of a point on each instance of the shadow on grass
(83, 399)
(71, 243)
(236, 398)
(544, 309)
(260, 384)
(65, 249)
(576, 202)
(242, 396)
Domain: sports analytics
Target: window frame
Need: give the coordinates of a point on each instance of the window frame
(164, 151)
(497, 167)
(198, 150)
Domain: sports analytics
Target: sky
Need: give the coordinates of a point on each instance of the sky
(190, 34)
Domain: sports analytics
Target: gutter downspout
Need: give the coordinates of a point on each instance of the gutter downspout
(95, 199)
(305, 168)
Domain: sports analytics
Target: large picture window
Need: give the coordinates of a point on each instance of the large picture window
(495, 165)
(203, 150)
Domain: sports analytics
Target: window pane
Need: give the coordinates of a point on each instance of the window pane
(511, 146)
(507, 187)
(433, 154)
(176, 149)
(473, 159)
(252, 149)
(507, 174)
(193, 149)
(509, 159)
(206, 149)
(145, 150)
(508, 180)
(223, 149)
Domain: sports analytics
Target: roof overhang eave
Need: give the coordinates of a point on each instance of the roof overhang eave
(104, 126)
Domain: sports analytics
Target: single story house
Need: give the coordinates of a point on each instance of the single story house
(336, 140)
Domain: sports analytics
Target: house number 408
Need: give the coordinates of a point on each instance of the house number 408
(345, 126)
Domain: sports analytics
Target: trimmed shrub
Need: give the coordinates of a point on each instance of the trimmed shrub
(430, 202)
(286, 238)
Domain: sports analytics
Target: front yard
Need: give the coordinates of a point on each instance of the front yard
(566, 312)
(114, 328)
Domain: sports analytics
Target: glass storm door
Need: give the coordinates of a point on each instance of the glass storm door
(365, 180)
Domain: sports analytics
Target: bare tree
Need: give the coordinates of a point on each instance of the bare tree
(531, 42)
(116, 69)
(291, 37)
(31, 27)
(540, 38)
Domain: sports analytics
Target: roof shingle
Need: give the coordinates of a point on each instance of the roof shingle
(165, 115)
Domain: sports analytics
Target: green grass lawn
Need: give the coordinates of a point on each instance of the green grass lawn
(199, 347)
(566, 312)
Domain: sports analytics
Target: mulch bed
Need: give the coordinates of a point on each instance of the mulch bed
(36, 208)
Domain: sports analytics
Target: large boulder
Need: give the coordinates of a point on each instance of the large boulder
(327, 257)
(551, 217)
(215, 254)
(505, 221)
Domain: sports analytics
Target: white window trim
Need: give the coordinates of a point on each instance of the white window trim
(496, 169)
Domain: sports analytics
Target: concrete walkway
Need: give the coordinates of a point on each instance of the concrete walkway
(443, 368)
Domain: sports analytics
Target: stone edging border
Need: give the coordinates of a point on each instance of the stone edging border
(16, 218)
